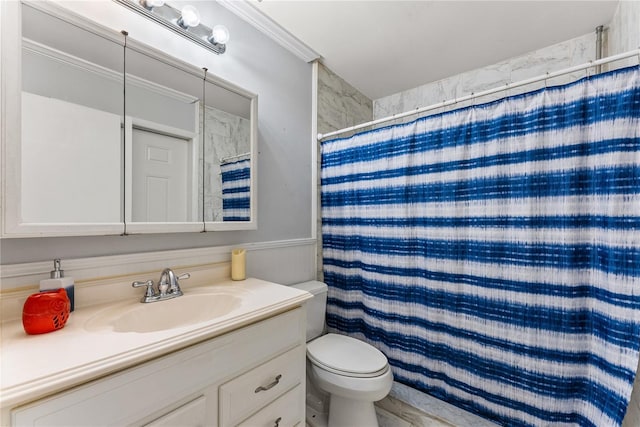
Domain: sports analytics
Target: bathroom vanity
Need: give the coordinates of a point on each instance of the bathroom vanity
(245, 366)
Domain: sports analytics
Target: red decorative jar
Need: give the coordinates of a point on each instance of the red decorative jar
(46, 312)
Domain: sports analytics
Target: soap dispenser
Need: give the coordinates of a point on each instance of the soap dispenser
(57, 281)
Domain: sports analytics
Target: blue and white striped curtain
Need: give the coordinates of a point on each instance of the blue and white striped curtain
(493, 252)
(236, 190)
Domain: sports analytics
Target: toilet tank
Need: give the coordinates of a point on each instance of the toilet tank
(316, 307)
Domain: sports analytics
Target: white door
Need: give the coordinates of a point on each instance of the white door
(160, 188)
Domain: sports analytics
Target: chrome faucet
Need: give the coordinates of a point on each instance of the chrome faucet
(168, 283)
(168, 286)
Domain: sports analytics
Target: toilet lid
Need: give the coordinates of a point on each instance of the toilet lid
(342, 354)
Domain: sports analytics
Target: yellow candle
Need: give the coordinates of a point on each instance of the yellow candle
(238, 264)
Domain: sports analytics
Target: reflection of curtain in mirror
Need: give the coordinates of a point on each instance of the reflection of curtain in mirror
(225, 137)
(236, 189)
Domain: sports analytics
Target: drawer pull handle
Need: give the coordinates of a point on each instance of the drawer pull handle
(278, 422)
(269, 386)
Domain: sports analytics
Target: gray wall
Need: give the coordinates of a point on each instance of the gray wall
(255, 62)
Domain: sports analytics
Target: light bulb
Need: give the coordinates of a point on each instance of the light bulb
(190, 17)
(219, 35)
(150, 4)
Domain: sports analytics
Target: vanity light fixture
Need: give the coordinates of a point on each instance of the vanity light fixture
(150, 4)
(219, 36)
(190, 17)
(185, 22)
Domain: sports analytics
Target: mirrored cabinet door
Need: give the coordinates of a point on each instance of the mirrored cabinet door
(163, 143)
(71, 145)
(106, 135)
(229, 157)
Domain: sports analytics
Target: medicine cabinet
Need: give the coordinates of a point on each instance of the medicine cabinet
(105, 135)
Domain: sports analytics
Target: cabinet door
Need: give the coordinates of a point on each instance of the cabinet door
(192, 414)
(135, 396)
(65, 127)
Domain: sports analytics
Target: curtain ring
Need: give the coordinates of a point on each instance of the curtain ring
(589, 68)
(453, 105)
(546, 81)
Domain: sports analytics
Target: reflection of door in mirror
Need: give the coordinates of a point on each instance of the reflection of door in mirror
(162, 140)
(160, 186)
(227, 146)
(71, 145)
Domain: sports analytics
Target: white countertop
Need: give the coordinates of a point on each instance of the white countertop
(34, 366)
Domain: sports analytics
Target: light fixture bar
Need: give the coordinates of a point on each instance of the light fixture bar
(168, 17)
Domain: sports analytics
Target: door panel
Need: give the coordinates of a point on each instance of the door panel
(160, 186)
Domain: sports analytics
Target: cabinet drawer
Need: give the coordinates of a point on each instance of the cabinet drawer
(249, 392)
(286, 411)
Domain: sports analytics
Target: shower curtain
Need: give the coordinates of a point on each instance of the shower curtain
(493, 252)
(236, 190)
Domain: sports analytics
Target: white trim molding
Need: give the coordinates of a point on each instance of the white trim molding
(268, 26)
(18, 276)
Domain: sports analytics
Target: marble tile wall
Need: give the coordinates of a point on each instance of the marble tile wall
(624, 31)
(555, 57)
(226, 135)
(340, 105)
(622, 34)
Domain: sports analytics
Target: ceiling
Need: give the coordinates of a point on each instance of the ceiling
(384, 47)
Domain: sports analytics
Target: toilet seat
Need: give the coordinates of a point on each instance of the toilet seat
(347, 356)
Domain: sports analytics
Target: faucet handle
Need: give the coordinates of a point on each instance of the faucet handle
(148, 293)
(175, 287)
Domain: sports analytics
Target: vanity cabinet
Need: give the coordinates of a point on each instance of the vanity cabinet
(193, 413)
(253, 376)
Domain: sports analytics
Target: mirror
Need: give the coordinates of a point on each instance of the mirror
(72, 100)
(164, 147)
(227, 148)
(163, 144)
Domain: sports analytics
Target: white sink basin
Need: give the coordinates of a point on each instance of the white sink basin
(185, 310)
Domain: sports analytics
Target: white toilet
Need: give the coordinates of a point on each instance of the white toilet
(352, 372)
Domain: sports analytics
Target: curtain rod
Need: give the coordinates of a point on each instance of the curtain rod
(227, 159)
(506, 86)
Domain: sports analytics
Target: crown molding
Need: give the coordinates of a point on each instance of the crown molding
(268, 26)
